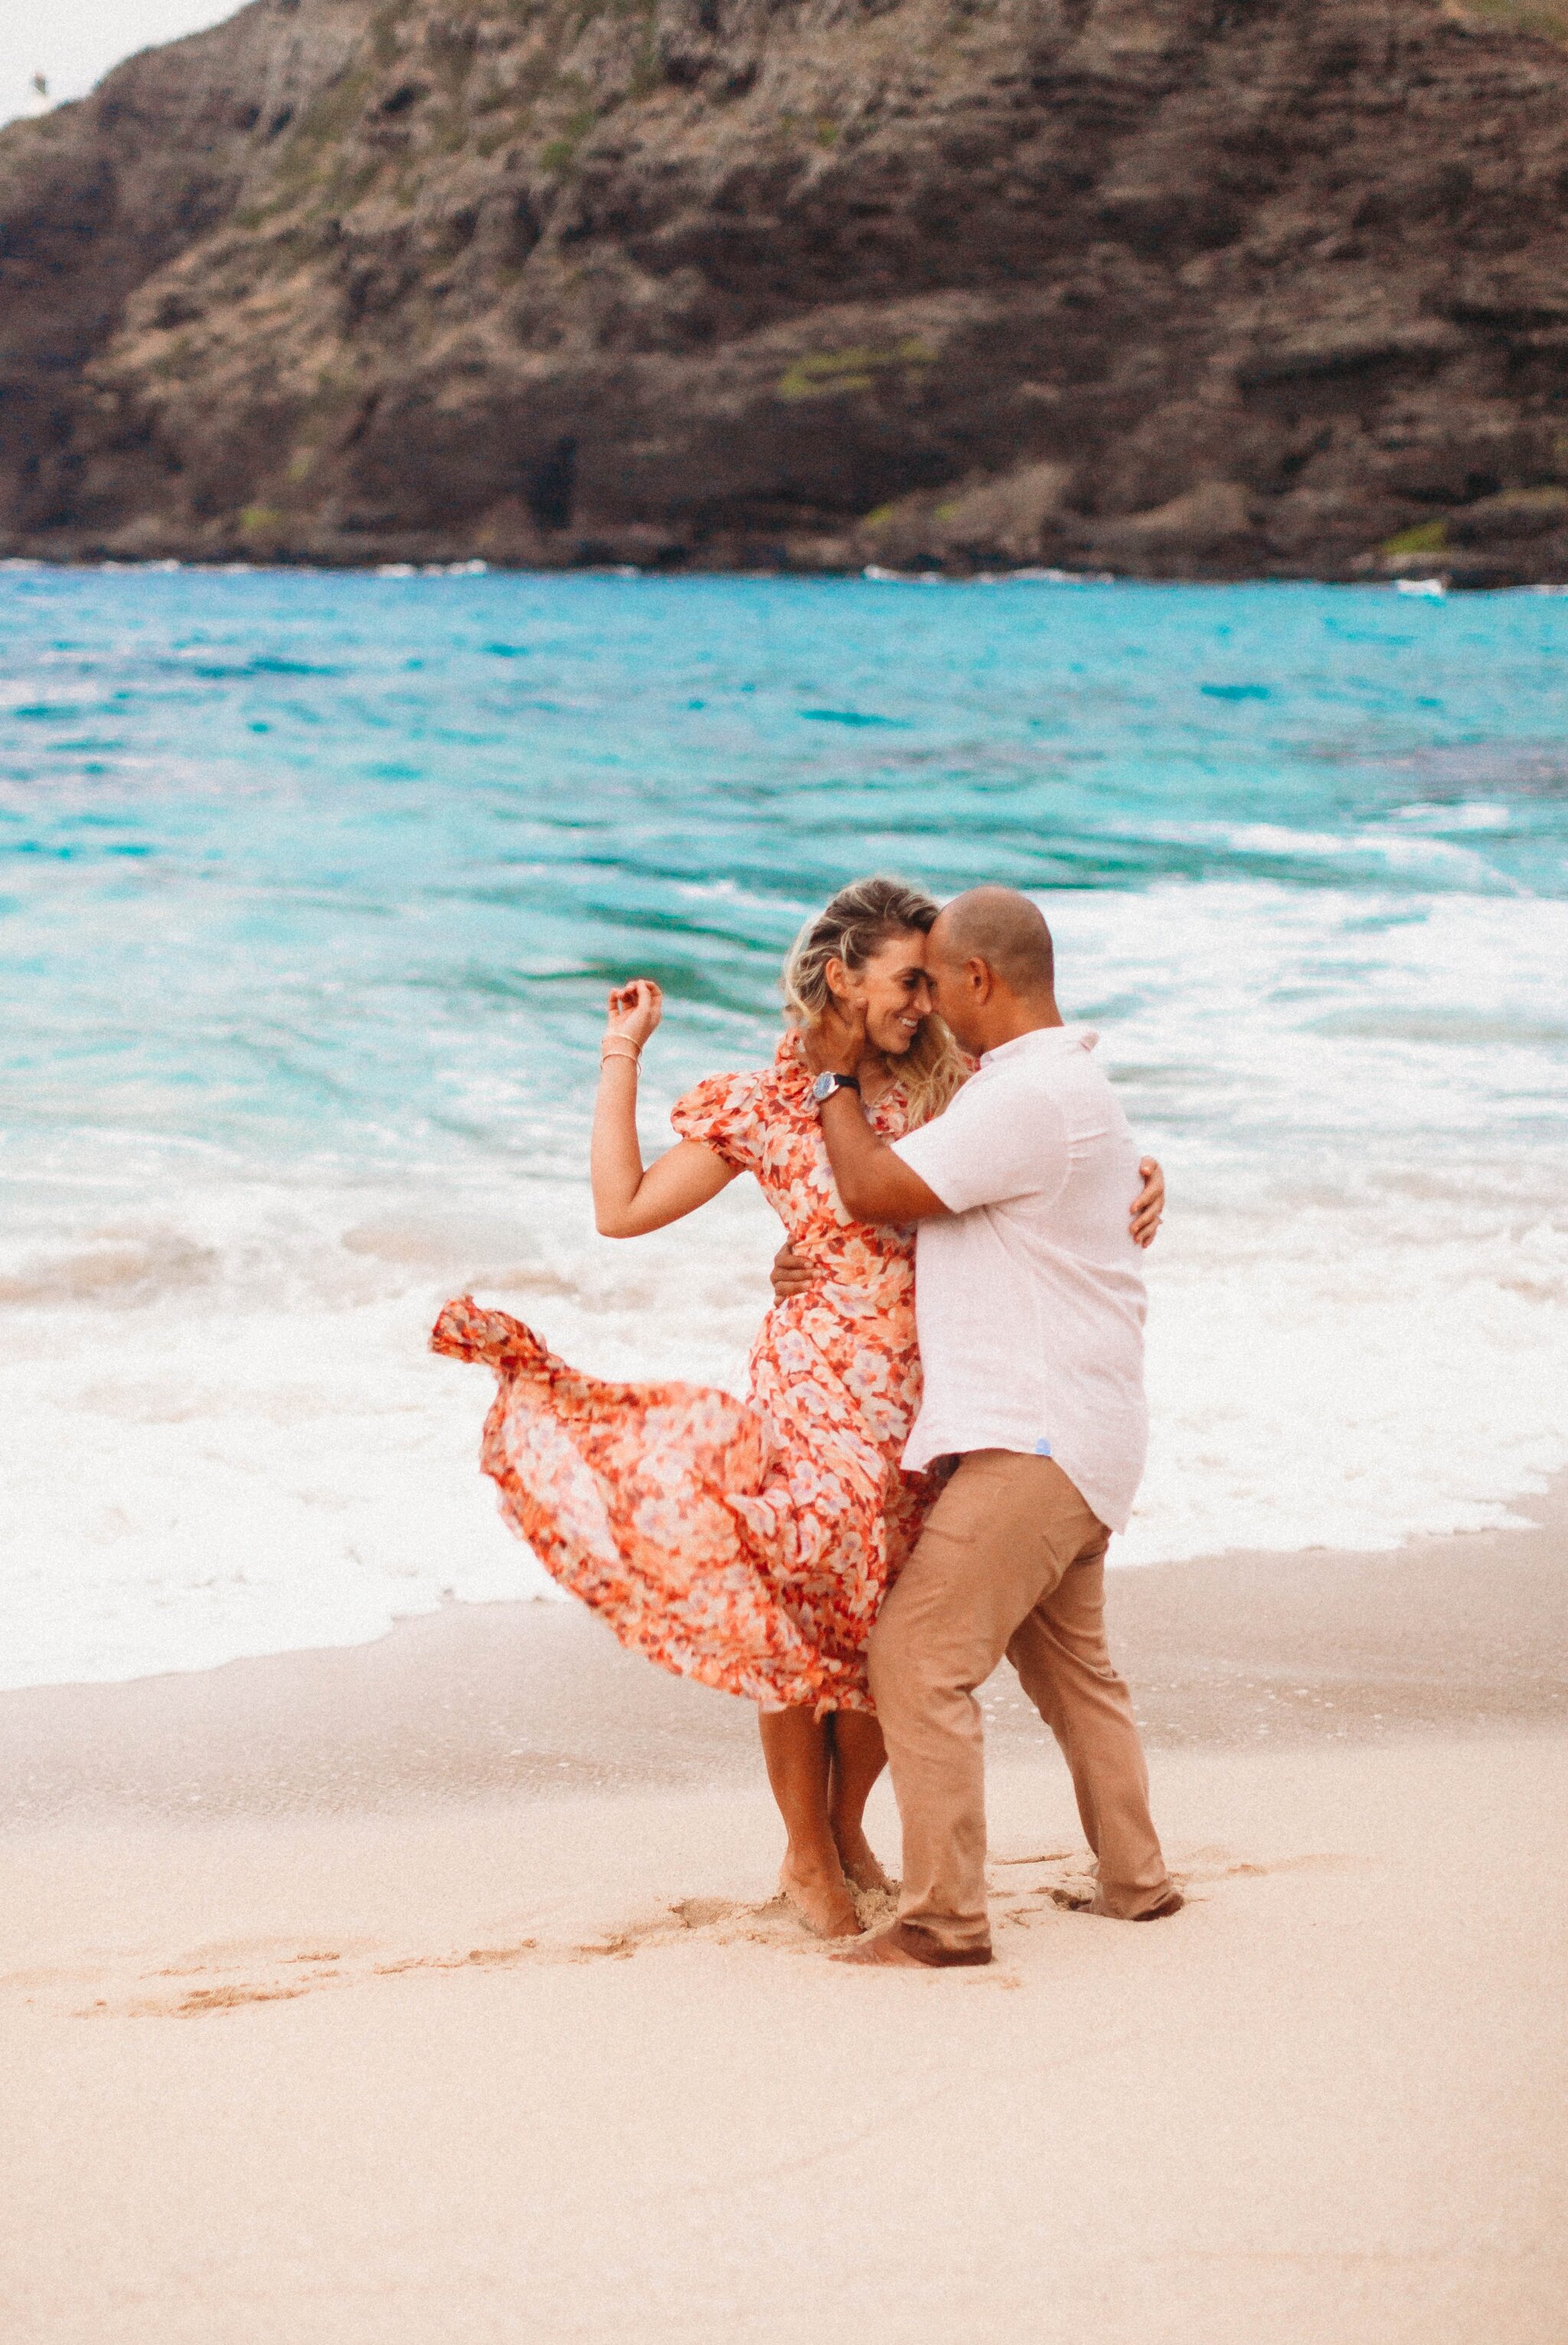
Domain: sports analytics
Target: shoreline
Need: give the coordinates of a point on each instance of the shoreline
(1418, 577)
(1444, 1636)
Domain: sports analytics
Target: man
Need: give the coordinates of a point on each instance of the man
(1029, 1305)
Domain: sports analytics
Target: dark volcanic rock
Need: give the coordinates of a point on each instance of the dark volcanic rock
(1185, 287)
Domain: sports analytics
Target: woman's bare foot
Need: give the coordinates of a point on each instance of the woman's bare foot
(823, 1904)
(858, 1858)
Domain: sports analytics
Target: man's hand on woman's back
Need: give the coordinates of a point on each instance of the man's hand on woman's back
(791, 1274)
(1149, 1203)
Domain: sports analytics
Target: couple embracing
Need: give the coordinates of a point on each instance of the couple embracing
(894, 1506)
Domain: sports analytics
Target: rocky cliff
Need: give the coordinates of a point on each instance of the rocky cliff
(1182, 288)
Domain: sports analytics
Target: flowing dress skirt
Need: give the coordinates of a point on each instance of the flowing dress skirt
(745, 1543)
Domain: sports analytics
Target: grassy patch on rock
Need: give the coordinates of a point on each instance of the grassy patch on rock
(824, 374)
(1426, 537)
(1547, 19)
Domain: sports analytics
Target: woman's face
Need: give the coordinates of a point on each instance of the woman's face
(894, 990)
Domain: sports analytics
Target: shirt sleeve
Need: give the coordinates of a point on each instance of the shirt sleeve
(994, 1142)
(721, 1113)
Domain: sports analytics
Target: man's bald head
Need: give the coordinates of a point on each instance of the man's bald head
(1003, 930)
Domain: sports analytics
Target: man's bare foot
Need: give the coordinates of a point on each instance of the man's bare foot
(825, 1905)
(1170, 1904)
(900, 1947)
(858, 1859)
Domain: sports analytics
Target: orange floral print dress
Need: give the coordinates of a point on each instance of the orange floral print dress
(747, 1543)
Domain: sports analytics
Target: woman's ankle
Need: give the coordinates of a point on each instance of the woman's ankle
(823, 1865)
(862, 1866)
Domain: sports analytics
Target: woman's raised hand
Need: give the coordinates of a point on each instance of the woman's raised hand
(636, 1009)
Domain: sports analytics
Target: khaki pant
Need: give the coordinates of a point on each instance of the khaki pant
(1012, 1561)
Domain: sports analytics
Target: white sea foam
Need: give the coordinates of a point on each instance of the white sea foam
(1359, 1324)
(225, 1435)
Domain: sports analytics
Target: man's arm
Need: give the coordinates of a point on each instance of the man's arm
(874, 1184)
(792, 1275)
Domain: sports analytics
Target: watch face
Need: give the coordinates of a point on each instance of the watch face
(824, 1086)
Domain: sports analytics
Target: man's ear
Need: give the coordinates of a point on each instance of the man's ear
(978, 974)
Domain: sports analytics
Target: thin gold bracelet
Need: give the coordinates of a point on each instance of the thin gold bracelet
(633, 1050)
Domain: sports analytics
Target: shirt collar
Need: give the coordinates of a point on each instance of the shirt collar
(1041, 1042)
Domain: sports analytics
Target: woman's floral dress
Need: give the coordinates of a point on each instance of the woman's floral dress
(747, 1543)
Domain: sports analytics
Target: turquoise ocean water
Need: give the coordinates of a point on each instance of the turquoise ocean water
(312, 888)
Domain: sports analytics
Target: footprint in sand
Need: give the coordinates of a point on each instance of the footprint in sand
(1240, 1868)
(726, 1922)
(302, 1970)
(476, 1958)
(199, 2000)
(702, 1913)
(229, 1998)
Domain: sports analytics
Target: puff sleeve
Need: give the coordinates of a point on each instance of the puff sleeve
(721, 1113)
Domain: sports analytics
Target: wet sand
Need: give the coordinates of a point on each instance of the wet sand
(433, 1992)
(1450, 1636)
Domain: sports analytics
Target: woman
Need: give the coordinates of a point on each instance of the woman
(748, 1543)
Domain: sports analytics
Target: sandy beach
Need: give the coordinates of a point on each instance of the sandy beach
(431, 1992)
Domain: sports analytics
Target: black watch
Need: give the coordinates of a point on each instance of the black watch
(826, 1085)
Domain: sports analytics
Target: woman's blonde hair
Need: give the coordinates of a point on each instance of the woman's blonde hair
(860, 920)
